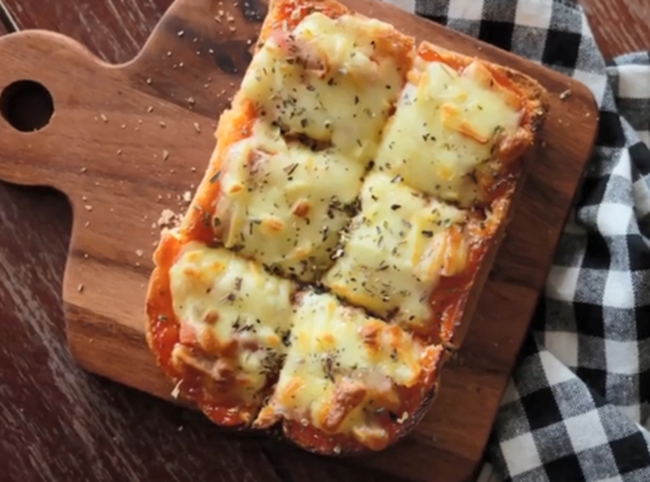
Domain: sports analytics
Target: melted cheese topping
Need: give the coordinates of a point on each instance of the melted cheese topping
(323, 95)
(238, 315)
(398, 247)
(343, 367)
(328, 81)
(445, 129)
(284, 204)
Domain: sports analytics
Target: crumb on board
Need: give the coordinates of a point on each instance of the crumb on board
(187, 196)
(181, 33)
(88, 207)
(168, 219)
(149, 81)
(139, 253)
(80, 288)
(176, 390)
(197, 127)
(150, 109)
(566, 94)
(165, 154)
(103, 117)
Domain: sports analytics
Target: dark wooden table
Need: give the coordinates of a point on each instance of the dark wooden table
(58, 423)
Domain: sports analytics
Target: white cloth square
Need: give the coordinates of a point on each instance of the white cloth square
(466, 10)
(613, 219)
(634, 82)
(534, 14)
(619, 291)
(564, 345)
(561, 282)
(586, 431)
(521, 454)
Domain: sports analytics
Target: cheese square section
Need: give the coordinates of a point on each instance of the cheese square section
(346, 371)
(452, 132)
(235, 320)
(397, 248)
(284, 204)
(330, 80)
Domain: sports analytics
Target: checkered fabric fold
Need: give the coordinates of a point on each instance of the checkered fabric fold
(576, 405)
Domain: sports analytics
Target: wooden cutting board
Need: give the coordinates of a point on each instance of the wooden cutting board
(126, 142)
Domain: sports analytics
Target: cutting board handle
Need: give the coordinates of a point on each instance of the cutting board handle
(41, 70)
(187, 54)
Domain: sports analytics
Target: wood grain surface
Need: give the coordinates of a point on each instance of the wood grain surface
(48, 402)
(619, 26)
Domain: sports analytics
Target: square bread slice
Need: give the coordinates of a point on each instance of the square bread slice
(350, 212)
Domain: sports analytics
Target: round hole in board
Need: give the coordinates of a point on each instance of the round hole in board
(27, 105)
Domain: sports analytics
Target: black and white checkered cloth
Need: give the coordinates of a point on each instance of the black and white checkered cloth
(577, 403)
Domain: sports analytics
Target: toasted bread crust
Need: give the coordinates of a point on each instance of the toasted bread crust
(162, 327)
